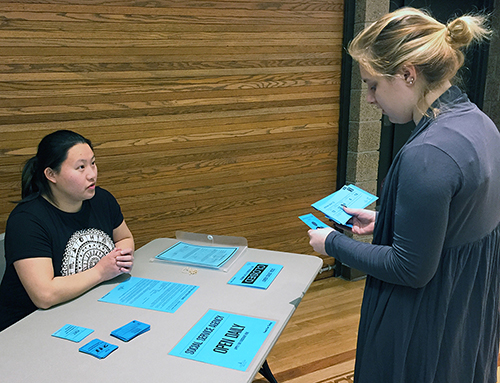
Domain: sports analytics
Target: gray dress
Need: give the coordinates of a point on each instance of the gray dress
(430, 310)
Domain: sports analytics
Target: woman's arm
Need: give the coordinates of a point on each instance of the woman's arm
(428, 179)
(124, 242)
(45, 290)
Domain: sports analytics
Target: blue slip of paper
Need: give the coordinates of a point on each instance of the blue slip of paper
(224, 339)
(208, 256)
(98, 348)
(73, 333)
(311, 221)
(130, 330)
(349, 196)
(150, 294)
(253, 274)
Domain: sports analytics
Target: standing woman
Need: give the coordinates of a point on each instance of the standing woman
(66, 235)
(430, 309)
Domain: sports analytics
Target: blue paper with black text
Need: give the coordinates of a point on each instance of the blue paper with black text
(224, 339)
(349, 196)
(253, 274)
(150, 294)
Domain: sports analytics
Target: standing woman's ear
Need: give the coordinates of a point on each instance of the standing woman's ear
(409, 73)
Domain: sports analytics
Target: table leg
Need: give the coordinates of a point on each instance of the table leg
(265, 371)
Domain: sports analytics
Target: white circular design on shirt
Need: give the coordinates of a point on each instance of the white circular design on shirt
(84, 249)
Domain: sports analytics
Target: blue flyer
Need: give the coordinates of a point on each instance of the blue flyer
(311, 221)
(150, 294)
(197, 255)
(253, 274)
(224, 339)
(349, 196)
(73, 333)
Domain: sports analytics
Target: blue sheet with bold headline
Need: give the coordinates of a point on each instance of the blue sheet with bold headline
(224, 339)
(256, 274)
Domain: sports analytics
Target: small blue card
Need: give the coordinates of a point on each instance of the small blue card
(311, 221)
(253, 274)
(73, 333)
(224, 339)
(130, 330)
(98, 348)
(349, 196)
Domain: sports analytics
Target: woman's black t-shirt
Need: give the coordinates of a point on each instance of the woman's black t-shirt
(74, 241)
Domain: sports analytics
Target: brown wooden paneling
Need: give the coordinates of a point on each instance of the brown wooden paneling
(218, 117)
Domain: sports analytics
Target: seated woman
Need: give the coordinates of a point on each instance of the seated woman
(66, 235)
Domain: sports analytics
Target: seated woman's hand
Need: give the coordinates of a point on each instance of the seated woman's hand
(125, 261)
(110, 266)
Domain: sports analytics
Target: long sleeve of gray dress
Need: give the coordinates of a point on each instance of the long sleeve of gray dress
(426, 187)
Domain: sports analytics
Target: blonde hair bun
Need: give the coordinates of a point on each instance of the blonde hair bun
(467, 29)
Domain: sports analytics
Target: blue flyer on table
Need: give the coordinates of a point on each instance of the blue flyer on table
(253, 274)
(197, 255)
(349, 196)
(224, 339)
(150, 294)
(73, 333)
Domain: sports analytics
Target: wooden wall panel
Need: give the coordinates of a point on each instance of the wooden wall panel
(218, 117)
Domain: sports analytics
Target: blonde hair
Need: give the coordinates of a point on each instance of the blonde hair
(412, 36)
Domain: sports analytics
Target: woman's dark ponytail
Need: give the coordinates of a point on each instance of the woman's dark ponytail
(29, 184)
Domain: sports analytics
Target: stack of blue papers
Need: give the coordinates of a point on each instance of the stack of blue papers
(130, 330)
(98, 348)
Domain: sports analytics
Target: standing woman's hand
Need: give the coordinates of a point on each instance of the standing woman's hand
(363, 221)
(317, 238)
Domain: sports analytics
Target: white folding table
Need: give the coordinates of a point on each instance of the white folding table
(28, 352)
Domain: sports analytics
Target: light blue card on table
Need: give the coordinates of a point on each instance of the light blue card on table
(253, 274)
(224, 339)
(73, 333)
(349, 196)
(150, 294)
